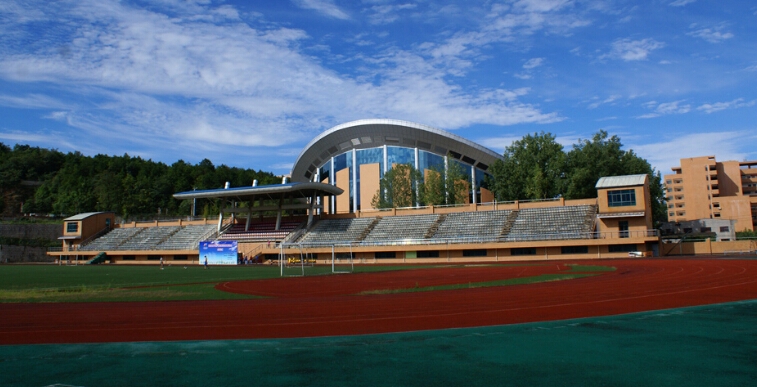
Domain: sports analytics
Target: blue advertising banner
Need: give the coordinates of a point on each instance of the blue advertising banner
(218, 252)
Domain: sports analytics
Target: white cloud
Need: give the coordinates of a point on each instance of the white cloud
(633, 50)
(34, 101)
(533, 63)
(712, 35)
(529, 67)
(681, 3)
(326, 7)
(145, 79)
(541, 5)
(607, 100)
(718, 106)
(675, 107)
(388, 13)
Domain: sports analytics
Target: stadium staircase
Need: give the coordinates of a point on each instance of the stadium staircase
(509, 223)
(98, 259)
(368, 229)
(435, 227)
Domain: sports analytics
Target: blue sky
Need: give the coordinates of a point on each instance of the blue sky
(249, 83)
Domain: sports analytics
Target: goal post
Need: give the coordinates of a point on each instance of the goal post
(348, 267)
(297, 259)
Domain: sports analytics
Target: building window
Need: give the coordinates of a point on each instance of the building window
(523, 251)
(128, 258)
(623, 228)
(385, 254)
(621, 198)
(180, 258)
(706, 229)
(574, 250)
(428, 254)
(72, 227)
(474, 253)
(725, 229)
(622, 248)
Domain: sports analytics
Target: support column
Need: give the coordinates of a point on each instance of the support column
(249, 216)
(386, 159)
(446, 175)
(416, 166)
(354, 181)
(473, 183)
(311, 210)
(332, 179)
(278, 215)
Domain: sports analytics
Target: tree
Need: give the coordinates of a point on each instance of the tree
(442, 186)
(532, 168)
(591, 159)
(602, 156)
(397, 188)
(72, 183)
(433, 191)
(457, 184)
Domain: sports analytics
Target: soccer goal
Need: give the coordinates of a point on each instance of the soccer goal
(295, 259)
(342, 262)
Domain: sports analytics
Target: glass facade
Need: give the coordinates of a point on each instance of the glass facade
(386, 157)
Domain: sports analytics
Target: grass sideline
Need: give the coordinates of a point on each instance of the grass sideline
(105, 283)
(576, 271)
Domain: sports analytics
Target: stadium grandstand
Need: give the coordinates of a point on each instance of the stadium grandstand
(326, 210)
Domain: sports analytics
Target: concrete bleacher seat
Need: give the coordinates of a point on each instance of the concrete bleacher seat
(149, 238)
(402, 227)
(571, 222)
(112, 240)
(472, 225)
(336, 230)
(552, 223)
(188, 238)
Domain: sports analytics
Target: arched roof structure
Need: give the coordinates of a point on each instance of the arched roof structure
(371, 133)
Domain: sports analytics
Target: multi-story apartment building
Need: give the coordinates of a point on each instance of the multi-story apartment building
(703, 188)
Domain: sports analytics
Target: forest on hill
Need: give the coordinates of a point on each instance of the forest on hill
(47, 181)
(44, 181)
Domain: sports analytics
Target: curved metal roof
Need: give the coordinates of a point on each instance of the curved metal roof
(304, 190)
(372, 133)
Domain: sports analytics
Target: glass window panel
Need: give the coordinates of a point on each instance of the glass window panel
(399, 155)
(428, 160)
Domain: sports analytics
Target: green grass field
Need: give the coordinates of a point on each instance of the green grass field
(103, 283)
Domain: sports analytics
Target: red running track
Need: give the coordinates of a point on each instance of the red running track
(328, 306)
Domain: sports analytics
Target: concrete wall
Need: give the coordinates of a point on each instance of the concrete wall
(11, 253)
(710, 248)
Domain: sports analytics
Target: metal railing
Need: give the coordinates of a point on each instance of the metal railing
(477, 240)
